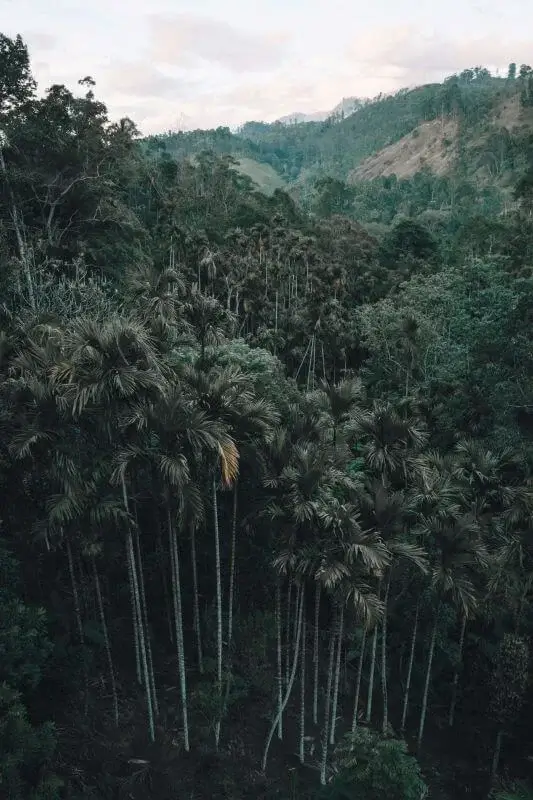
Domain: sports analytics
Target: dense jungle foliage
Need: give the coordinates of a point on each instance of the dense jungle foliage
(266, 470)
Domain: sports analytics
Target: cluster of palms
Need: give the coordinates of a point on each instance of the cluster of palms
(398, 518)
(125, 429)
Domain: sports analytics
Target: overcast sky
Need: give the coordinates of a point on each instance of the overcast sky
(179, 63)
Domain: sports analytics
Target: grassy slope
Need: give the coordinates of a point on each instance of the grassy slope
(263, 175)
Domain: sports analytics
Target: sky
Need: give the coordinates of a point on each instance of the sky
(179, 64)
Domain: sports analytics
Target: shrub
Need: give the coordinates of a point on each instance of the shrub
(370, 767)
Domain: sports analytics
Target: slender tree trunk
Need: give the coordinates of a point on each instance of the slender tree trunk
(410, 668)
(178, 620)
(274, 725)
(136, 635)
(455, 684)
(75, 593)
(325, 733)
(232, 565)
(219, 609)
(106, 640)
(384, 687)
(142, 642)
(315, 654)
(496, 757)
(279, 660)
(161, 563)
(196, 603)
(288, 634)
(135, 618)
(79, 623)
(144, 617)
(302, 684)
(358, 681)
(337, 675)
(370, 697)
(428, 679)
(371, 676)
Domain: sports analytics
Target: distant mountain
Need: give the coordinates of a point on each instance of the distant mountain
(298, 116)
(347, 106)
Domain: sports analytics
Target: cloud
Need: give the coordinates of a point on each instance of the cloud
(139, 79)
(40, 41)
(406, 53)
(187, 39)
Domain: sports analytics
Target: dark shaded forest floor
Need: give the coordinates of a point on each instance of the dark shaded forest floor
(102, 761)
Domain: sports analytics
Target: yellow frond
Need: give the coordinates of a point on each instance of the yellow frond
(229, 461)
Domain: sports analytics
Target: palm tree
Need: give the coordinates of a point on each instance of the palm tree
(156, 293)
(352, 589)
(456, 552)
(177, 438)
(386, 512)
(340, 401)
(209, 321)
(227, 395)
(390, 436)
(494, 485)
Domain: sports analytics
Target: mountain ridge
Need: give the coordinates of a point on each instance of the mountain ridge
(433, 127)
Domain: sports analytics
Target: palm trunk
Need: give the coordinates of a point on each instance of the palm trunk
(79, 623)
(496, 757)
(384, 687)
(337, 675)
(178, 620)
(196, 604)
(161, 563)
(279, 661)
(219, 609)
(136, 636)
(294, 627)
(428, 679)
(371, 676)
(455, 684)
(288, 634)
(302, 686)
(372, 668)
(358, 681)
(232, 565)
(130, 555)
(75, 593)
(325, 732)
(144, 616)
(106, 641)
(315, 654)
(410, 668)
(142, 643)
(135, 618)
(274, 725)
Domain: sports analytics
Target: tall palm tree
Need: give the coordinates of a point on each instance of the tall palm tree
(228, 396)
(175, 438)
(456, 552)
(494, 484)
(386, 511)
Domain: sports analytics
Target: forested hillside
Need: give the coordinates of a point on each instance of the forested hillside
(265, 466)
